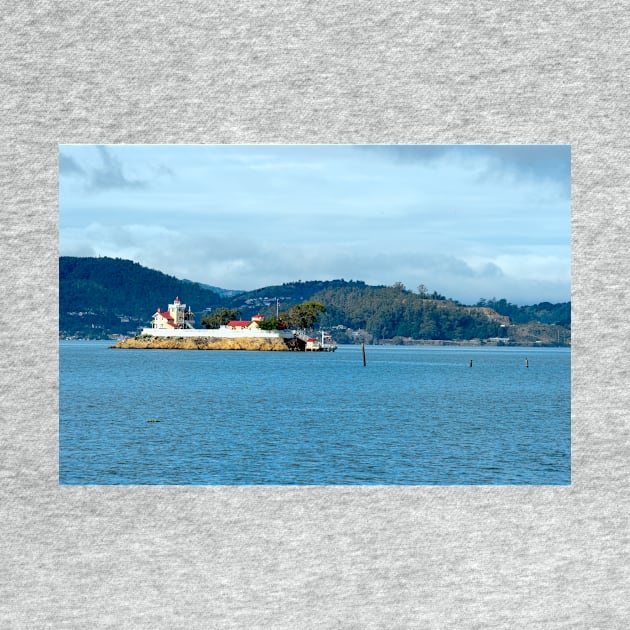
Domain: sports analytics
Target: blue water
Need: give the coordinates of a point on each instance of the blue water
(414, 415)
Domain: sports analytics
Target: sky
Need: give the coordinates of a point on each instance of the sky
(468, 221)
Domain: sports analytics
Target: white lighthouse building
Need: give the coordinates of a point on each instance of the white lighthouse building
(175, 317)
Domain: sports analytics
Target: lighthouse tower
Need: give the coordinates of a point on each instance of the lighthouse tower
(175, 317)
(177, 311)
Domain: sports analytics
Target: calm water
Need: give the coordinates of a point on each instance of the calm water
(414, 415)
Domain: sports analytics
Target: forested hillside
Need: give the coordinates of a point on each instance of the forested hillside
(388, 312)
(396, 313)
(545, 312)
(103, 296)
(283, 296)
(100, 297)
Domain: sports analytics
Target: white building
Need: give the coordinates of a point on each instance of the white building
(244, 324)
(175, 317)
(177, 322)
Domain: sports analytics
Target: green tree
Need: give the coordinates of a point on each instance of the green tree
(219, 317)
(271, 323)
(304, 315)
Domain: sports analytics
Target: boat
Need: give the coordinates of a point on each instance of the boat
(325, 344)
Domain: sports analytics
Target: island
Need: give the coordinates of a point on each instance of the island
(174, 329)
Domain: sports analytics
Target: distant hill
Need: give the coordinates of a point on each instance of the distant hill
(102, 297)
(396, 313)
(99, 297)
(264, 300)
(545, 312)
(218, 290)
(377, 313)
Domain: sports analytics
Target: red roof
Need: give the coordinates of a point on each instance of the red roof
(165, 315)
(239, 323)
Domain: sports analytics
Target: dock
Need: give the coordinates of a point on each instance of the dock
(315, 344)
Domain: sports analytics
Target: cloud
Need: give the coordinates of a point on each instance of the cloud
(77, 248)
(69, 166)
(541, 163)
(240, 262)
(110, 174)
(453, 276)
(163, 169)
(466, 221)
(285, 166)
(552, 161)
(117, 241)
(490, 270)
(538, 162)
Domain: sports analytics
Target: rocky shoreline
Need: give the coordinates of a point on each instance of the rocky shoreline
(202, 343)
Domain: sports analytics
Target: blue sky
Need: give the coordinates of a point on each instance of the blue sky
(469, 221)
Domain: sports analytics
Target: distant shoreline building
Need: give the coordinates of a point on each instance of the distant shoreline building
(243, 324)
(176, 317)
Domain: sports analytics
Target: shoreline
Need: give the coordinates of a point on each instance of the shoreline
(123, 343)
(203, 343)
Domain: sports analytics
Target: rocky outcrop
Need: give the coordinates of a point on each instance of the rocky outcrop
(146, 342)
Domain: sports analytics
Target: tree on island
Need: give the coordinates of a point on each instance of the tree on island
(272, 323)
(304, 315)
(220, 317)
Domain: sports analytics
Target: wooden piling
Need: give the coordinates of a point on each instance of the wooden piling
(363, 351)
(471, 363)
(526, 363)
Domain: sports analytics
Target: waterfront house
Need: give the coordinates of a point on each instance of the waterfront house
(175, 317)
(240, 324)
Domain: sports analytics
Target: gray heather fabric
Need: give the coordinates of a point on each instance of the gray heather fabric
(324, 557)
